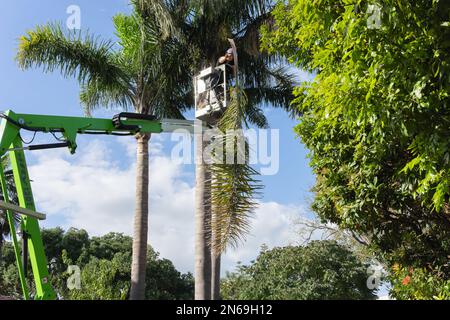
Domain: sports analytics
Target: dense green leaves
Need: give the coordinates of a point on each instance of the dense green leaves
(376, 118)
(320, 270)
(419, 284)
(105, 265)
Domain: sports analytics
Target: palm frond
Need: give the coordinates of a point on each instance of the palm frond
(235, 12)
(255, 115)
(74, 55)
(248, 38)
(270, 87)
(94, 94)
(233, 186)
(234, 115)
(157, 11)
(233, 192)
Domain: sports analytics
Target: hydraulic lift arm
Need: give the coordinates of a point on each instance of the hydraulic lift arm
(69, 127)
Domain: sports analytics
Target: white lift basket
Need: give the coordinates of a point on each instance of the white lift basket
(211, 92)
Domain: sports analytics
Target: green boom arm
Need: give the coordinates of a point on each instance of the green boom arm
(10, 141)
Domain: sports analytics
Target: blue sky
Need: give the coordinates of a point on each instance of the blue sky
(286, 194)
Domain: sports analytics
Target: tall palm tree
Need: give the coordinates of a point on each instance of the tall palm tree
(234, 187)
(143, 71)
(202, 28)
(202, 223)
(206, 26)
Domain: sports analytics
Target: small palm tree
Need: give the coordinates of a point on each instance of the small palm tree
(142, 71)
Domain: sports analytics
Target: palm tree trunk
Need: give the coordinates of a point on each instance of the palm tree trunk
(215, 255)
(140, 232)
(215, 274)
(202, 224)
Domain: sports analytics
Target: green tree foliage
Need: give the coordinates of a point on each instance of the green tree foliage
(419, 284)
(73, 242)
(105, 267)
(105, 247)
(9, 277)
(166, 283)
(104, 279)
(376, 118)
(320, 270)
(53, 239)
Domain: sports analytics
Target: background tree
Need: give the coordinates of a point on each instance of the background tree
(75, 242)
(418, 284)
(9, 277)
(376, 119)
(105, 264)
(144, 73)
(321, 270)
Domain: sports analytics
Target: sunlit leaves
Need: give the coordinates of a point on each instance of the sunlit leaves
(376, 118)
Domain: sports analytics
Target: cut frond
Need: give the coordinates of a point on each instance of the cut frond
(233, 202)
(233, 186)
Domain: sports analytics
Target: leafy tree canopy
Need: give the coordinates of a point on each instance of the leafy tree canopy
(376, 118)
(105, 266)
(320, 270)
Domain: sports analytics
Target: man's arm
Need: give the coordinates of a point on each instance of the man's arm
(221, 60)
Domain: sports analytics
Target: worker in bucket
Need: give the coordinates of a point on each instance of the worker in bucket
(228, 60)
(215, 80)
(218, 77)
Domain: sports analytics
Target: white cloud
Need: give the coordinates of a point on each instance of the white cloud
(92, 191)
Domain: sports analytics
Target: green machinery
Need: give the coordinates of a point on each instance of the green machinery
(68, 127)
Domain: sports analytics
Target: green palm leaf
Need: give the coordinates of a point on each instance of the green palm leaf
(75, 55)
(234, 189)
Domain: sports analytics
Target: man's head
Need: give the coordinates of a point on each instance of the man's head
(229, 55)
